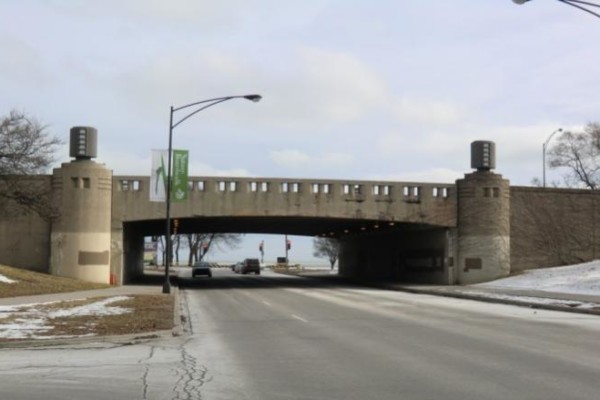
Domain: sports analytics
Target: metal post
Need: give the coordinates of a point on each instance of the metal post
(167, 283)
(544, 164)
(286, 250)
(544, 155)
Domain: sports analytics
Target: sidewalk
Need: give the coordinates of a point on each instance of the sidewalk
(112, 291)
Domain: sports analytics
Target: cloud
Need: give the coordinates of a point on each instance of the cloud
(311, 90)
(425, 112)
(433, 175)
(126, 163)
(20, 62)
(295, 159)
(434, 144)
(290, 158)
(336, 159)
(341, 86)
(174, 12)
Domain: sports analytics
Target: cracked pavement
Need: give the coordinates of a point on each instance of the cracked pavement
(157, 369)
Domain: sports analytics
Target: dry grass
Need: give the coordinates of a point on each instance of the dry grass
(31, 283)
(146, 313)
(149, 313)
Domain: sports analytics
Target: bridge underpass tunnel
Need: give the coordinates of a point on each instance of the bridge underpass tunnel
(130, 238)
(131, 254)
(128, 246)
(416, 254)
(404, 252)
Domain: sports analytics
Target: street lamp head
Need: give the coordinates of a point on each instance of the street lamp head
(253, 97)
(580, 4)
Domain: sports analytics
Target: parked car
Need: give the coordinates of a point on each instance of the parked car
(249, 265)
(201, 268)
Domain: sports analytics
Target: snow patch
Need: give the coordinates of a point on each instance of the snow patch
(98, 308)
(574, 279)
(31, 322)
(4, 279)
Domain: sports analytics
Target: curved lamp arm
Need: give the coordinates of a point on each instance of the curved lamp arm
(252, 97)
(544, 154)
(573, 3)
(550, 137)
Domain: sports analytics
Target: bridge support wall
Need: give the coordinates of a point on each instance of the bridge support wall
(414, 255)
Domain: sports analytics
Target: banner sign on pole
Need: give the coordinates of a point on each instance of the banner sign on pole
(158, 176)
(179, 186)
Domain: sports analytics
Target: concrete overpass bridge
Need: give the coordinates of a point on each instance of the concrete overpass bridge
(298, 207)
(474, 230)
(341, 209)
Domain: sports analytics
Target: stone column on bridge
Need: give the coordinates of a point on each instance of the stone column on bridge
(82, 190)
(483, 251)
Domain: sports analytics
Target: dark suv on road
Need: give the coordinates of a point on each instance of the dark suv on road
(250, 265)
(201, 268)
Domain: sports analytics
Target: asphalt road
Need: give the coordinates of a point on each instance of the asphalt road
(292, 338)
(275, 337)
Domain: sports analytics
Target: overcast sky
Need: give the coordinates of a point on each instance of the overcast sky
(385, 90)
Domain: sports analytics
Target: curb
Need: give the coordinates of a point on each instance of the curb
(177, 329)
(513, 302)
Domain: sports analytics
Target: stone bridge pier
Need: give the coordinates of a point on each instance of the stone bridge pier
(476, 249)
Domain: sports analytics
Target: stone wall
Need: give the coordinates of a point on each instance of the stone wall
(551, 227)
(24, 235)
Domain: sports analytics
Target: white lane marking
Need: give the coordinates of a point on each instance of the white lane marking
(266, 303)
(299, 318)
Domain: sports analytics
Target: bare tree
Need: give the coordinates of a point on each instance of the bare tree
(160, 247)
(579, 153)
(195, 243)
(26, 149)
(200, 244)
(175, 244)
(326, 248)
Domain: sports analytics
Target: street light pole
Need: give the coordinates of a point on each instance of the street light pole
(207, 103)
(573, 3)
(544, 155)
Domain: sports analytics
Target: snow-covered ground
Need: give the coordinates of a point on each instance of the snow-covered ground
(4, 279)
(575, 279)
(579, 279)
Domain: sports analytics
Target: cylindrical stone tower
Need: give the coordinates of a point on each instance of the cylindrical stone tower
(82, 188)
(483, 219)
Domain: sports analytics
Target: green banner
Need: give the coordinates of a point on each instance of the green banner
(179, 189)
